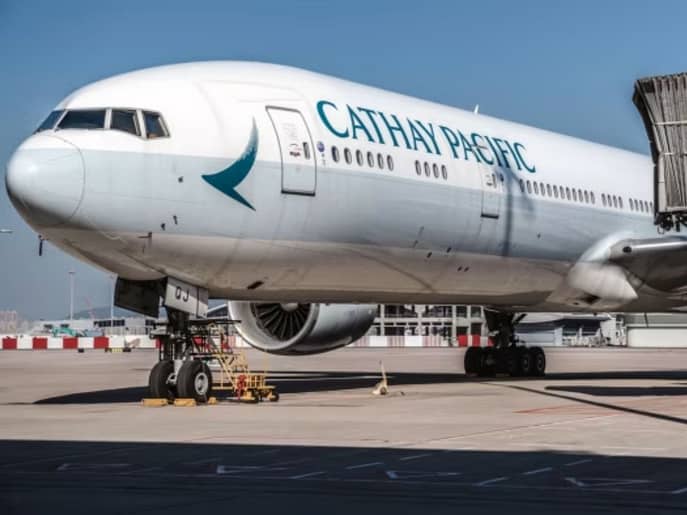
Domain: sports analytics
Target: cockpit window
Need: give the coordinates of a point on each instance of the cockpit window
(49, 123)
(126, 121)
(155, 127)
(83, 119)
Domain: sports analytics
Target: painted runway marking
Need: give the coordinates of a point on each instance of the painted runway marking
(679, 491)
(309, 474)
(234, 469)
(417, 474)
(92, 466)
(537, 471)
(576, 463)
(363, 465)
(492, 481)
(413, 457)
(591, 482)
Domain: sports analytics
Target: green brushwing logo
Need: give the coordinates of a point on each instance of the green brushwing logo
(228, 179)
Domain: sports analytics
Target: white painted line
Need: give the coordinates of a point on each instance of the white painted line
(414, 457)
(309, 474)
(538, 471)
(491, 481)
(363, 465)
(575, 463)
(679, 491)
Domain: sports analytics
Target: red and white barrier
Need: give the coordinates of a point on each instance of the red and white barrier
(26, 342)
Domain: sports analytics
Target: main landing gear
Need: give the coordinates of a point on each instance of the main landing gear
(505, 357)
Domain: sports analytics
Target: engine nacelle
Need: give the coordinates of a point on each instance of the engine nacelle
(293, 328)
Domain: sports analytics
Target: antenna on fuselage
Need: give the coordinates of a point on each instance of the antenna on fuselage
(476, 109)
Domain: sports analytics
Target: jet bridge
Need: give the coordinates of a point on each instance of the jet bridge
(662, 103)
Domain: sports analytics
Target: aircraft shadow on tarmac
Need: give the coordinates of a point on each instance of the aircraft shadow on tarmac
(41, 476)
(321, 381)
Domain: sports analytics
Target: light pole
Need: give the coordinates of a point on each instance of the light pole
(113, 278)
(71, 297)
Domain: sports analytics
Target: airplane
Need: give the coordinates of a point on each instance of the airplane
(307, 200)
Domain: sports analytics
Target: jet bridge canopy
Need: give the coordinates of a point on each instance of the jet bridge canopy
(662, 103)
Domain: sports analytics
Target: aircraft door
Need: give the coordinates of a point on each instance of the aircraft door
(492, 192)
(298, 166)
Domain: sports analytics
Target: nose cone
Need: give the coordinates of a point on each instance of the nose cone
(45, 180)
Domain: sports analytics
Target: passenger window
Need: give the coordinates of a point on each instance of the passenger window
(522, 186)
(536, 188)
(359, 157)
(620, 202)
(529, 187)
(125, 121)
(591, 197)
(418, 168)
(542, 189)
(548, 190)
(87, 119)
(347, 155)
(615, 201)
(435, 169)
(632, 204)
(603, 198)
(380, 161)
(444, 172)
(426, 168)
(370, 159)
(651, 207)
(555, 191)
(155, 128)
(306, 150)
(335, 154)
(586, 196)
(49, 123)
(390, 163)
(574, 194)
(567, 193)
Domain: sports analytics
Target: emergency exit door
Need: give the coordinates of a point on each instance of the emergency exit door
(492, 192)
(298, 166)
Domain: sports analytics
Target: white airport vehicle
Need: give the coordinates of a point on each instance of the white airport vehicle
(307, 200)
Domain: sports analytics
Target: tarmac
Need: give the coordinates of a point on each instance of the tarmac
(603, 432)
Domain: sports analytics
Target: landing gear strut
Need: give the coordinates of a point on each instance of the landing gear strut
(506, 356)
(185, 348)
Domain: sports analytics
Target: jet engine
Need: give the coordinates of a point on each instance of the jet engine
(295, 328)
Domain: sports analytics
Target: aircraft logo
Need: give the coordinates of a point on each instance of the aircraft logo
(227, 180)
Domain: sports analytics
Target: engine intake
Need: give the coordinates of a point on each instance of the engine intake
(294, 328)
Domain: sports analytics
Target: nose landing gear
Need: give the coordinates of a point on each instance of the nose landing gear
(506, 356)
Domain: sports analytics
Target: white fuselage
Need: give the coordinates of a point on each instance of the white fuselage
(245, 196)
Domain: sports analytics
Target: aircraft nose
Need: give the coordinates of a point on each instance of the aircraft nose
(45, 179)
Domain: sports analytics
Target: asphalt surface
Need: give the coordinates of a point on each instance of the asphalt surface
(604, 432)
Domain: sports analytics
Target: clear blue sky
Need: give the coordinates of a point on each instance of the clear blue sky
(566, 68)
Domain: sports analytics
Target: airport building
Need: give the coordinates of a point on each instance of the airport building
(443, 325)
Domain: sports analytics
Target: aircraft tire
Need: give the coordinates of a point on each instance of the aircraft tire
(525, 359)
(194, 381)
(510, 361)
(538, 362)
(158, 381)
(486, 362)
(472, 360)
